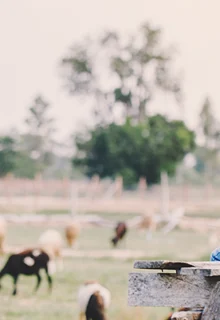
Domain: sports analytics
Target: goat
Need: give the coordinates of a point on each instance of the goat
(51, 242)
(93, 300)
(72, 232)
(120, 230)
(148, 223)
(28, 262)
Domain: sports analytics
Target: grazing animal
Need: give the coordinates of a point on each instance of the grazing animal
(148, 223)
(72, 232)
(120, 230)
(51, 242)
(93, 301)
(28, 262)
(3, 228)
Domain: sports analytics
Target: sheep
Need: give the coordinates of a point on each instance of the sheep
(52, 243)
(72, 232)
(120, 230)
(93, 300)
(3, 228)
(28, 262)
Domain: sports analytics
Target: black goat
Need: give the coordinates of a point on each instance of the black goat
(28, 262)
(120, 230)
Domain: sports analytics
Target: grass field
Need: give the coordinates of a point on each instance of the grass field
(62, 303)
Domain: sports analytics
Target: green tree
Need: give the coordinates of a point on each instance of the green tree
(38, 141)
(119, 75)
(134, 151)
(7, 155)
(25, 166)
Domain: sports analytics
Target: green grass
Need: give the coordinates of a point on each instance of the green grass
(53, 211)
(177, 244)
(62, 303)
(115, 215)
(107, 215)
(213, 214)
(113, 273)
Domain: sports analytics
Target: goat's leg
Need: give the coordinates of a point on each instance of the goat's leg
(15, 280)
(38, 282)
(49, 279)
(87, 317)
(2, 273)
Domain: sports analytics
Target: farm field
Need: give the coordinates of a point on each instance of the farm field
(112, 273)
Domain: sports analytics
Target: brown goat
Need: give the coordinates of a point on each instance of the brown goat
(120, 230)
(72, 232)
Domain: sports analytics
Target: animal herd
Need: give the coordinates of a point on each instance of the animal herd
(93, 298)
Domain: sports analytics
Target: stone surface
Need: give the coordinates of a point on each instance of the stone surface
(169, 289)
(212, 308)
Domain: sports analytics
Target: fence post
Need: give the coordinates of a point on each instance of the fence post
(37, 185)
(118, 186)
(142, 186)
(74, 197)
(165, 194)
(95, 185)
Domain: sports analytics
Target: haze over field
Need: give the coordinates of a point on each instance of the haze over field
(36, 34)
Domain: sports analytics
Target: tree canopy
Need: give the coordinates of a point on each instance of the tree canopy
(134, 151)
(38, 141)
(121, 75)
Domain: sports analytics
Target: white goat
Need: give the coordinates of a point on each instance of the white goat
(51, 242)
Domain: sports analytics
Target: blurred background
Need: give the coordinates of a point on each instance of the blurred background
(110, 113)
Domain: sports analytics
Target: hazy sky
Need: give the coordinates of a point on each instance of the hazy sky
(36, 33)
